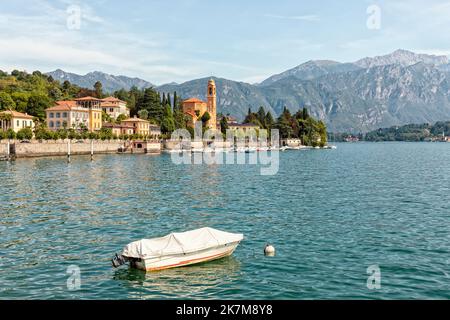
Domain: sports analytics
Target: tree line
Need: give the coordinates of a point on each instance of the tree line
(300, 125)
(410, 132)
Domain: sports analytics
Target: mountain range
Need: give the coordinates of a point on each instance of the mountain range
(399, 88)
(109, 82)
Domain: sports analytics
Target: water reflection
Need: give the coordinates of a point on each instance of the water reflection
(185, 282)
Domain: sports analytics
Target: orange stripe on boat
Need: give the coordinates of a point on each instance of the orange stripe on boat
(187, 262)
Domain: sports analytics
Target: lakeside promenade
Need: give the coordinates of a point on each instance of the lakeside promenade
(36, 148)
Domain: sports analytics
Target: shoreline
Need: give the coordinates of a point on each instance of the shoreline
(68, 148)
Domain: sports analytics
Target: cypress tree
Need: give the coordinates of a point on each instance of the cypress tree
(175, 101)
(168, 101)
(168, 122)
(262, 117)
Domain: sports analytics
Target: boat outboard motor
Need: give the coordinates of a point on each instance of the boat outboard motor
(118, 260)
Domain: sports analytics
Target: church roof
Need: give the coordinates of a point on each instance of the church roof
(193, 100)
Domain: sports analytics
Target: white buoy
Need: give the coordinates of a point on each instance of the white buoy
(269, 250)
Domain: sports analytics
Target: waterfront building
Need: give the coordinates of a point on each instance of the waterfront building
(155, 130)
(292, 142)
(10, 119)
(119, 129)
(195, 108)
(75, 114)
(244, 127)
(140, 126)
(231, 120)
(115, 107)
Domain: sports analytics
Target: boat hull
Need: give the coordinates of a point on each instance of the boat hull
(182, 260)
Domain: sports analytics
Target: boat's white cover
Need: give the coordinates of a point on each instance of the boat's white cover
(179, 243)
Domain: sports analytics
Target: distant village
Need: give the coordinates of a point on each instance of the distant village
(88, 113)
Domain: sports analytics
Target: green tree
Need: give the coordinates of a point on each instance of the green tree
(270, 122)
(151, 102)
(206, 117)
(6, 102)
(37, 103)
(169, 100)
(25, 134)
(98, 87)
(121, 117)
(10, 134)
(224, 125)
(143, 114)
(261, 115)
(21, 100)
(106, 117)
(168, 122)
(175, 101)
(284, 124)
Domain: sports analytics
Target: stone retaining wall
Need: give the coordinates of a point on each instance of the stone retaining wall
(60, 147)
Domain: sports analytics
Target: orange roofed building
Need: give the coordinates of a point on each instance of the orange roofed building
(75, 114)
(115, 107)
(195, 108)
(11, 119)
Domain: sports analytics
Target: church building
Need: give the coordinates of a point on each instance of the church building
(195, 108)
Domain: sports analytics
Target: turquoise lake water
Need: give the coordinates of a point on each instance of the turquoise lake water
(330, 214)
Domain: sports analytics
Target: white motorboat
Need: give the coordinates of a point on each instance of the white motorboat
(179, 249)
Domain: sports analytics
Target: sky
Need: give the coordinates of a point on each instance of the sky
(165, 41)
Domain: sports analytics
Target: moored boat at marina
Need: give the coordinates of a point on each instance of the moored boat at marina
(179, 249)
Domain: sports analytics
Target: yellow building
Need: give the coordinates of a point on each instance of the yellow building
(75, 114)
(119, 129)
(140, 126)
(195, 108)
(10, 119)
(244, 128)
(95, 111)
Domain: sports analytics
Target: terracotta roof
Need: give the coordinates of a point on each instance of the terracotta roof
(112, 99)
(135, 119)
(119, 126)
(71, 103)
(16, 114)
(193, 100)
(59, 108)
(87, 99)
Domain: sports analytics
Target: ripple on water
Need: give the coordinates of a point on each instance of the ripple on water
(330, 215)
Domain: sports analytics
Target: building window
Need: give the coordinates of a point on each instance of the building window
(58, 115)
(52, 115)
(58, 124)
(64, 114)
(18, 123)
(51, 125)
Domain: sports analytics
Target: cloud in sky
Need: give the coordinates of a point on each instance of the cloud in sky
(248, 41)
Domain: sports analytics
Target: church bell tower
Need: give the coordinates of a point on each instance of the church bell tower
(212, 104)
